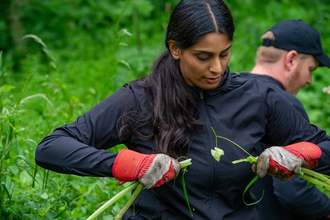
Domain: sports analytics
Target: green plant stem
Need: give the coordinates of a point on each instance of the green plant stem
(138, 189)
(6, 152)
(314, 181)
(239, 161)
(216, 144)
(129, 202)
(306, 174)
(250, 159)
(113, 200)
(185, 163)
(316, 175)
(121, 14)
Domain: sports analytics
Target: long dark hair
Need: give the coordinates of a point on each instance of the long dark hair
(174, 114)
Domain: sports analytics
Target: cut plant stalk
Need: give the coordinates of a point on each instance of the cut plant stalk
(129, 202)
(307, 174)
(311, 176)
(315, 178)
(135, 185)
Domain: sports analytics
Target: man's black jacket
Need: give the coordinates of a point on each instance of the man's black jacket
(294, 199)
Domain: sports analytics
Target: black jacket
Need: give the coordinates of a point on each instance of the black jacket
(292, 199)
(244, 111)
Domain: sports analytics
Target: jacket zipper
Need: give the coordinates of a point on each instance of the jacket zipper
(213, 162)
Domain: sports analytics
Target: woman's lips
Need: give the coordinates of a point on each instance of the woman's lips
(212, 80)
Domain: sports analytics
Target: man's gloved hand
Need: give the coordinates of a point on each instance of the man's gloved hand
(151, 170)
(284, 162)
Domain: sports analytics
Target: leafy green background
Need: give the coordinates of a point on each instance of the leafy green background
(60, 58)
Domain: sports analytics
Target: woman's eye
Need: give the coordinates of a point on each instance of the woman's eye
(203, 58)
(224, 55)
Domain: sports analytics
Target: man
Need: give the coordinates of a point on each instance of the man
(291, 50)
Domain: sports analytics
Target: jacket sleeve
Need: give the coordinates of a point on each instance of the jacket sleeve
(286, 126)
(298, 198)
(80, 147)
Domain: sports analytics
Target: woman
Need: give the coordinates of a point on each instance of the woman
(190, 90)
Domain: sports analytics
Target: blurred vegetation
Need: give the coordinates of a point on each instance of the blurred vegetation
(60, 58)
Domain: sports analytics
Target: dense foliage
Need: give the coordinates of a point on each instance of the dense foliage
(60, 58)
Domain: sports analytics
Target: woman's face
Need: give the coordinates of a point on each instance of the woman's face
(204, 63)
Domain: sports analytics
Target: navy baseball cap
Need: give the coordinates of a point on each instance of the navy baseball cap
(299, 36)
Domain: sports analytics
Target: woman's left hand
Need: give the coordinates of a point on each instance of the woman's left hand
(284, 162)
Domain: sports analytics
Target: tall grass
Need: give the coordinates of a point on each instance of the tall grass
(28, 191)
(40, 102)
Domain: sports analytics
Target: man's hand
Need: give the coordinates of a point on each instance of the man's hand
(151, 170)
(284, 162)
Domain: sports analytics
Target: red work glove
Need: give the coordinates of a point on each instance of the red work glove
(284, 162)
(151, 170)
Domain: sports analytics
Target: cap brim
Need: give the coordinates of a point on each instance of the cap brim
(324, 60)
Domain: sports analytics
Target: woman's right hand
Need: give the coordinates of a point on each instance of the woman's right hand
(150, 170)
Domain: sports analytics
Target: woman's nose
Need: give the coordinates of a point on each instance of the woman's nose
(216, 66)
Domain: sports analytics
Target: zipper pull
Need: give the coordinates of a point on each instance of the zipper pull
(201, 93)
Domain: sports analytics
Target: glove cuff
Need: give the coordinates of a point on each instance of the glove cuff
(127, 164)
(306, 151)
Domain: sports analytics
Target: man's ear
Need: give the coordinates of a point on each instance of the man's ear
(174, 49)
(291, 60)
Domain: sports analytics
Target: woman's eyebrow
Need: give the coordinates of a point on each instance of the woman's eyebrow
(226, 49)
(208, 52)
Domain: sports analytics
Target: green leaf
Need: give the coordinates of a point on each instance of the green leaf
(91, 199)
(6, 190)
(185, 190)
(247, 187)
(24, 100)
(43, 213)
(125, 63)
(6, 88)
(44, 195)
(14, 170)
(25, 160)
(217, 153)
(28, 141)
(31, 216)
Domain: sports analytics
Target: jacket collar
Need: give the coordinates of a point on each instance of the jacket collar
(264, 78)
